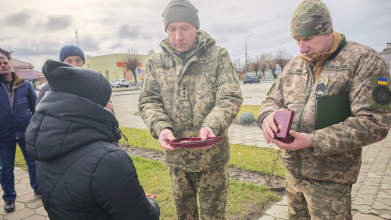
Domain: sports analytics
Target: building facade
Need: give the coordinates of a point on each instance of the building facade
(113, 66)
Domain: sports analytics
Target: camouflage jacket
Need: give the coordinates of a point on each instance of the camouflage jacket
(336, 152)
(203, 92)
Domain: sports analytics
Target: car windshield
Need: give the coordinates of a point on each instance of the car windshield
(253, 77)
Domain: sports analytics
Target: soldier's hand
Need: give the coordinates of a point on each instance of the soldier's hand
(301, 141)
(205, 133)
(269, 128)
(166, 136)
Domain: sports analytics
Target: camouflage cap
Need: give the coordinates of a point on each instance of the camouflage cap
(311, 17)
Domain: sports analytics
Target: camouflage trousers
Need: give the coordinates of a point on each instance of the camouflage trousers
(310, 199)
(200, 195)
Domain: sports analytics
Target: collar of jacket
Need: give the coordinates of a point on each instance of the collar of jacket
(320, 59)
(204, 41)
(185, 56)
(18, 82)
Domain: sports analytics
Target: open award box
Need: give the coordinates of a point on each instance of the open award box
(283, 121)
(191, 142)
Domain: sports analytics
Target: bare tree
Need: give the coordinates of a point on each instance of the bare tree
(237, 63)
(255, 67)
(132, 60)
(272, 66)
(249, 66)
(282, 58)
(264, 63)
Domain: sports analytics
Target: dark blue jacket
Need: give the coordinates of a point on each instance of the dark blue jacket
(16, 108)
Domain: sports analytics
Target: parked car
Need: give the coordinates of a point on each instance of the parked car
(250, 79)
(120, 83)
(41, 86)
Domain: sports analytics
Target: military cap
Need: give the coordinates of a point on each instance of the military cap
(181, 10)
(312, 17)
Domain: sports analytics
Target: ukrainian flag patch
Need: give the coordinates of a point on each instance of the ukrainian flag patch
(382, 81)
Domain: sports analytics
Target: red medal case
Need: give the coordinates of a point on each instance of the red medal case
(191, 142)
(283, 121)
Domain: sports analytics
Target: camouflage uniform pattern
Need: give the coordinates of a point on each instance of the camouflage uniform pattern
(311, 199)
(312, 17)
(186, 96)
(319, 179)
(336, 153)
(212, 188)
(185, 92)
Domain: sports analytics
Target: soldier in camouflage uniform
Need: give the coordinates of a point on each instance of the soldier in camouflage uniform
(190, 90)
(323, 164)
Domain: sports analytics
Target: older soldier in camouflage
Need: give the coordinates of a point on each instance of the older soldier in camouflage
(323, 164)
(190, 90)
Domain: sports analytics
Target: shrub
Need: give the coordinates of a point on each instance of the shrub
(246, 118)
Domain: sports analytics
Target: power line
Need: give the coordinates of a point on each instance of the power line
(77, 39)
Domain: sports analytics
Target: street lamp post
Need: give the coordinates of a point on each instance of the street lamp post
(246, 54)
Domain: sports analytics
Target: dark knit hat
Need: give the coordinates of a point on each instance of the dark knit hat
(71, 50)
(181, 10)
(312, 17)
(78, 81)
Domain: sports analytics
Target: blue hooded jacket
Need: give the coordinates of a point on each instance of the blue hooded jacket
(16, 108)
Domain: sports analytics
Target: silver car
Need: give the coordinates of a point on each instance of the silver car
(120, 83)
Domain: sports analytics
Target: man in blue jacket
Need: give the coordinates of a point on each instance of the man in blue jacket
(17, 100)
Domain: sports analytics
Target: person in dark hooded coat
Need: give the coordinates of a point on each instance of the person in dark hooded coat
(82, 174)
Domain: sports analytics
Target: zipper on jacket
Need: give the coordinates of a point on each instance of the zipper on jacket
(11, 105)
(301, 117)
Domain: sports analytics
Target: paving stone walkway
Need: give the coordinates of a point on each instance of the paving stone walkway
(27, 206)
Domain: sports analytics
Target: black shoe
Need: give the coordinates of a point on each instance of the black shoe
(9, 206)
(37, 193)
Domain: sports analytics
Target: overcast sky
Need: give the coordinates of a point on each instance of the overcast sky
(37, 30)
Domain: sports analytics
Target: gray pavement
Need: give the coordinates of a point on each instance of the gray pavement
(27, 206)
(371, 195)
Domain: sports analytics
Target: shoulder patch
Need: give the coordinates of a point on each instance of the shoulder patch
(381, 93)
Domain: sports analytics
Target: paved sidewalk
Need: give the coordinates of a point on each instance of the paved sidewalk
(27, 206)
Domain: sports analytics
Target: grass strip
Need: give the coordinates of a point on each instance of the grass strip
(242, 156)
(244, 200)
